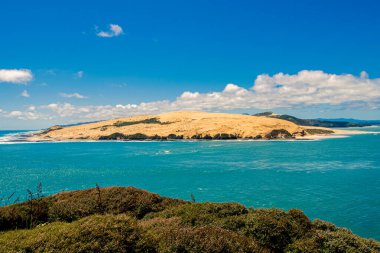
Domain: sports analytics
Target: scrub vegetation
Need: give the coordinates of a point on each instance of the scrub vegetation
(144, 121)
(126, 219)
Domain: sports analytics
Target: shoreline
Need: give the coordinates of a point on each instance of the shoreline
(26, 138)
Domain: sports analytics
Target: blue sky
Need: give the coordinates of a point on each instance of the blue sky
(167, 48)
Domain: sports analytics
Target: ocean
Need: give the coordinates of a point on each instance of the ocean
(337, 180)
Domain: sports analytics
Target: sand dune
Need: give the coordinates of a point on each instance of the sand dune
(186, 125)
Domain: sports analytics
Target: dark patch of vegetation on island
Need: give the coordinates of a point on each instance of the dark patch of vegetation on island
(279, 134)
(224, 136)
(318, 131)
(126, 219)
(257, 137)
(221, 136)
(312, 122)
(174, 137)
(144, 121)
(120, 136)
(139, 137)
(274, 134)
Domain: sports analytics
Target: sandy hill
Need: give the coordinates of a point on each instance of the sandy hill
(182, 125)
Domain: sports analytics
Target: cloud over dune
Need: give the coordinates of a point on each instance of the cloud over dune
(304, 89)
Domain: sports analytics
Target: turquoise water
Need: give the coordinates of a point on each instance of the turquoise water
(337, 180)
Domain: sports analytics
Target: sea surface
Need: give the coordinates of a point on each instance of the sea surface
(337, 180)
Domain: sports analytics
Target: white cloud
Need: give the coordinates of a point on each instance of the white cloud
(15, 114)
(18, 76)
(80, 74)
(114, 31)
(72, 95)
(302, 90)
(25, 94)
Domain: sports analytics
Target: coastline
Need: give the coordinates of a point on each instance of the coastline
(28, 137)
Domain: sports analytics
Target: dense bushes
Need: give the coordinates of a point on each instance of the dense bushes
(97, 233)
(122, 219)
(71, 206)
(170, 235)
(278, 134)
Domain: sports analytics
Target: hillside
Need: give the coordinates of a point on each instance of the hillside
(182, 125)
(120, 219)
(316, 122)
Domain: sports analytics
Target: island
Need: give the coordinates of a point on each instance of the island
(184, 125)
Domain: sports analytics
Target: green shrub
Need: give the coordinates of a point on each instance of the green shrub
(202, 213)
(119, 219)
(323, 225)
(73, 205)
(24, 215)
(303, 223)
(338, 241)
(169, 235)
(98, 233)
(272, 228)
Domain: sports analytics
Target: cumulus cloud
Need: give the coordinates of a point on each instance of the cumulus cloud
(113, 31)
(18, 76)
(15, 114)
(72, 95)
(25, 94)
(302, 90)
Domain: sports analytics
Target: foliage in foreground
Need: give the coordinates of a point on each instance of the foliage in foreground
(119, 219)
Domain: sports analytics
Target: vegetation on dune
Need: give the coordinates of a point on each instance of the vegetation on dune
(318, 131)
(144, 121)
(120, 136)
(279, 134)
(120, 219)
(139, 137)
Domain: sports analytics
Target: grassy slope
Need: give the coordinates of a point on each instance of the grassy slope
(120, 219)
